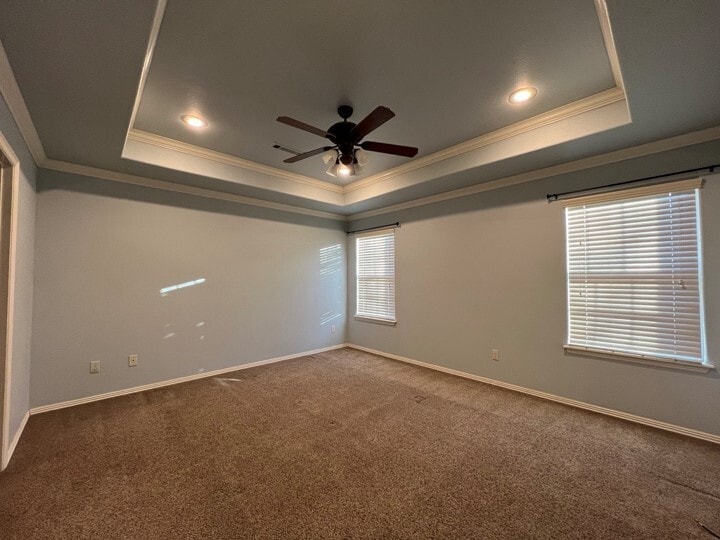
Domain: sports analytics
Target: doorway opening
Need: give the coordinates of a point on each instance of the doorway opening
(7, 194)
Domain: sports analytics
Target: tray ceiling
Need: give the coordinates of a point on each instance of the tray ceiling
(444, 68)
(98, 88)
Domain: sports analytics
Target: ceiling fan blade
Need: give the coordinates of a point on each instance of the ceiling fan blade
(286, 149)
(371, 122)
(385, 148)
(302, 125)
(308, 154)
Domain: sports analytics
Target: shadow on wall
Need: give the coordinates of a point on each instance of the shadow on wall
(55, 180)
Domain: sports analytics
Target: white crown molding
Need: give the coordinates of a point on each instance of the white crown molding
(226, 159)
(602, 99)
(591, 103)
(149, 50)
(105, 174)
(179, 380)
(582, 106)
(672, 143)
(654, 147)
(18, 108)
(609, 39)
(141, 145)
(585, 105)
(711, 437)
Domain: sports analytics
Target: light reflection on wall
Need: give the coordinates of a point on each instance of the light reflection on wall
(330, 260)
(329, 316)
(331, 263)
(200, 325)
(165, 290)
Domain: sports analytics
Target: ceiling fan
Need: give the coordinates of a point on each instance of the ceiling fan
(346, 155)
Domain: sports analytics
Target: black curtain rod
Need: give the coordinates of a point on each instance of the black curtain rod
(557, 196)
(388, 226)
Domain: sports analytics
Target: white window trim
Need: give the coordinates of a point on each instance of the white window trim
(686, 365)
(386, 322)
(368, 318)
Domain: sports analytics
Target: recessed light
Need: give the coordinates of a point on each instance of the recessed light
(522, 95)
(193, 121)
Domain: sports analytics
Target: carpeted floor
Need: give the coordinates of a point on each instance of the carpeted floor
(345, 444)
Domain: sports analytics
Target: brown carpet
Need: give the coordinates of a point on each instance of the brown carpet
(349, 445)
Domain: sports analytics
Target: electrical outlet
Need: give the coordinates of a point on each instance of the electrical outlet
(332, 329)
(95, 366)
(132, 360)
(495, 354)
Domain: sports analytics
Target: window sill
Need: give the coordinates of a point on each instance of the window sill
(639, 359)
(386, 322)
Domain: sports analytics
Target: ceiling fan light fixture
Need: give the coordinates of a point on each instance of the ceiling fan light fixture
(194, 121)
(341, 170)
(330, 157)
(521, 95)
(361, 157)
(344, 170)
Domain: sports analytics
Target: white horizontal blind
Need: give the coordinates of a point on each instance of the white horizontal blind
(375, 271)
(634, 276)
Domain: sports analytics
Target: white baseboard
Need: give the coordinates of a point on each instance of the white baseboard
(160, 384)
(13, 443)
(544, 395)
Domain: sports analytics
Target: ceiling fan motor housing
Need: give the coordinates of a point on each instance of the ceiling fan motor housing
(345, 111)
(341, 135)
(340, 132)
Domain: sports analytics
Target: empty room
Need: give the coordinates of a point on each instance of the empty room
(342, 269)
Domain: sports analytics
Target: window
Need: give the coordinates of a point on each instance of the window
(375, 271)
(634, 274)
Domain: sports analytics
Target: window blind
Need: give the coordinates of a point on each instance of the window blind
(375, 269)
(634, 280)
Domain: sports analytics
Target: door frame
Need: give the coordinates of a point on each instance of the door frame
(10, 173)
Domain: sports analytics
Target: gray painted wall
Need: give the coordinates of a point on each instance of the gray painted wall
(21, 336)
(488, 271)
(274, 285)
(481, 272)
